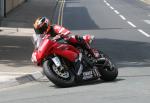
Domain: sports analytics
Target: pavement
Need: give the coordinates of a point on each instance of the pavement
(15, 42)
(146, 1)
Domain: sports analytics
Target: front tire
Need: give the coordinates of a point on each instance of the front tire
(65, 80)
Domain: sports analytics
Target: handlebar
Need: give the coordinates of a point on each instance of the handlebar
(57, 37)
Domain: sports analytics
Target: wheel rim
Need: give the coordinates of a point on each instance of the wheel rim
(62, 73)
(109, 66)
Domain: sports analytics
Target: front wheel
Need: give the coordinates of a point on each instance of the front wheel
(108, 70)
(58, 75)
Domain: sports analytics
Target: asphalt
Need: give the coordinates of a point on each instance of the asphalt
(16, 30)
(15, 42)
(146, 1)
(128, 47)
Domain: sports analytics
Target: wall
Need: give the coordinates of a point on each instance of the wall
(1, 8)
(11, 4)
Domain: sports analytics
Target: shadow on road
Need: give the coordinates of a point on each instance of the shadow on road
(77, 17)
(126, 53)
(88, 83)
(15, 50)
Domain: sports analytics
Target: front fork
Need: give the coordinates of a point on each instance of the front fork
(99, 57)
(96, 55)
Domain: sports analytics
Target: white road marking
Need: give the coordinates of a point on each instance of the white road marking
(107, 4)
(105, 1)
(144, 33)
(117, 12)
(111, 8)
(130, 23)
(147, 21)
(122, 17)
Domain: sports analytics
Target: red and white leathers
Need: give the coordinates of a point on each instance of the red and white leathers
(55, 32)
(74, 39)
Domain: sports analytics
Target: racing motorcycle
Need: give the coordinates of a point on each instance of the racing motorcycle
(56, 59)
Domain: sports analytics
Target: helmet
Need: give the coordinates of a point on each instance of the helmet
(42, 25)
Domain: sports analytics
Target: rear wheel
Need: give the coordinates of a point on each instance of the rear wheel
(109, 73)
(60, 76)
(108, 70)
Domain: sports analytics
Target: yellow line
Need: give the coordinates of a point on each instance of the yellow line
(59, 15)
(62, 13)
(61, 10)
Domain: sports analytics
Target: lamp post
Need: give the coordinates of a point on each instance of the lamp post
(2, 8)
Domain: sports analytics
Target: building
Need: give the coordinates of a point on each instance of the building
(2, 8)
(8, 5)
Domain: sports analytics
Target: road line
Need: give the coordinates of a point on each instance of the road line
(130, 23)
(62, 12)
(107, 4)
(59, 14)
(122, 17)
(111, 8)
(117, 12)
(59, 22)
(144, 33)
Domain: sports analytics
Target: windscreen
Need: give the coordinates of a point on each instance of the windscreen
(36, 39)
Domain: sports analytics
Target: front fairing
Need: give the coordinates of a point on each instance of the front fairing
(36, 40)
(42, 46)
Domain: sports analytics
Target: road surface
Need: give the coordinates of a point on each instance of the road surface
(122, 30)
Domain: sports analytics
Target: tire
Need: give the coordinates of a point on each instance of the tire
(109, 72)
(108, 75)
(56, 79)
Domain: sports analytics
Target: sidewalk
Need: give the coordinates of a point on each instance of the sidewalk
(146, 1)
(15, 42)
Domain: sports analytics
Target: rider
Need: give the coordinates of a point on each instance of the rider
(43, 27)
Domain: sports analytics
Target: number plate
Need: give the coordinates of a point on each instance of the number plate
(56, 61)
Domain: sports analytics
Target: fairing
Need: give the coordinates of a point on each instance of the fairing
(46, 47)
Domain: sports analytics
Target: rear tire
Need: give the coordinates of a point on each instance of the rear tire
(108, 75)
(109, 72)
(60, 81)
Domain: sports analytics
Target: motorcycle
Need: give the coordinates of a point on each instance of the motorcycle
(57, 61)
